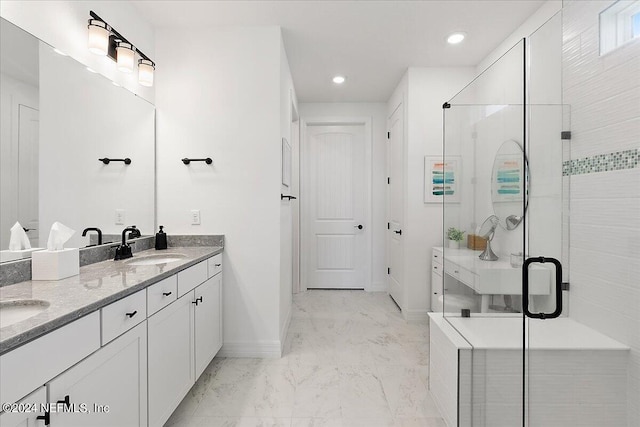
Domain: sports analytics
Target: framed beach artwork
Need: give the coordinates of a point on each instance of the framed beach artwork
(442, 179)
(508, 178)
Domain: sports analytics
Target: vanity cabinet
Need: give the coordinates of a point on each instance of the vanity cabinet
(108, 388)
(171, 360)
(436, 280)
(183, 339)
(21, 418)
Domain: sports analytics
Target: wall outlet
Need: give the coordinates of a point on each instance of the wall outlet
(119, 217)
(195, 217)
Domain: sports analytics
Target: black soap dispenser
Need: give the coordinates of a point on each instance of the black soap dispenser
(161, 239)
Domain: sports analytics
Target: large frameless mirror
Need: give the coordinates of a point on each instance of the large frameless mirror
(58, 118)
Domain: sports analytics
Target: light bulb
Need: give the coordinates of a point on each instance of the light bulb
(339, 80)
(125, 55)
(145, 72)
(455, 38)
(98, 37)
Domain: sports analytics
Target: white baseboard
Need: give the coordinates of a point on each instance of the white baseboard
(284, 330)
(378, 287)
(415, 315)
(258, 350)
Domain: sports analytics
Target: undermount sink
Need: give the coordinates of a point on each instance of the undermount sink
(155, 259)
(16, 311)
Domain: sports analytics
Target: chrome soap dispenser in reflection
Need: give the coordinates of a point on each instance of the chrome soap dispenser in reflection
(161, 239)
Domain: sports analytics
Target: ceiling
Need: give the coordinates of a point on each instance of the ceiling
(372, 43)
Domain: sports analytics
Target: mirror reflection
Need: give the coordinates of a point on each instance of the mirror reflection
(58, 120)
(509, 184)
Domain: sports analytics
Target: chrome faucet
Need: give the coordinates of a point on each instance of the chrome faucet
(96, 229)
(124, 250)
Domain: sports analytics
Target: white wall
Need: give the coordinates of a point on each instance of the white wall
(83, 117)
(221, 97)
(542, 15)
(63, 25)
(603, 93)
(377, 113)
(428, 89)
(288, 103)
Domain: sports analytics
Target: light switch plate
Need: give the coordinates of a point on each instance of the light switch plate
(119, 217)
(195, 217)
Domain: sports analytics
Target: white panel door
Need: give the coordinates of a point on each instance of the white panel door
(395, 197)
(334, 252)
(28, 171)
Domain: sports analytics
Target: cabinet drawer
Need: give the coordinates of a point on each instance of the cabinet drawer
(162, 294)
(35, 363)
(191, 277)
(437, 268)
(436, 257)
(458, 273)
(119, 317)
(215, 265)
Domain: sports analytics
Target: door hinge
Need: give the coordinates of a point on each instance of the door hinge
(388, 270)
(565, 286)
(388, 135)
(565, 134)
(388, 180)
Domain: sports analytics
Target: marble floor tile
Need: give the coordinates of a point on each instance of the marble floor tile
(349, 360)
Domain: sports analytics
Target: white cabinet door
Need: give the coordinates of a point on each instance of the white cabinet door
(20, 416)
(208, 322)
(171, 368)
(108, 388)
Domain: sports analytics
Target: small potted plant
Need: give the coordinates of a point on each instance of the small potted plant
(455, 236)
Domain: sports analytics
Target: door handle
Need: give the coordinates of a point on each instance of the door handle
(359, 226)
(525, 287)
(398, 232)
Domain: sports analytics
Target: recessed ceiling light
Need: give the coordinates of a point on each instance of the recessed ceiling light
(339, 80)
(456, 38)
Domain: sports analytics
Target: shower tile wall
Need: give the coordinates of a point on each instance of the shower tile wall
(603, 93)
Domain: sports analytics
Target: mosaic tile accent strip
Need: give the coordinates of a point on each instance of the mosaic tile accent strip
(620, 160)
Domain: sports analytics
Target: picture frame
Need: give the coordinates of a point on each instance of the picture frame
(286, 163)
(442, 179)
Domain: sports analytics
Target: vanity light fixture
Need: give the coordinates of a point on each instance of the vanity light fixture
(125, 54)
(99, 32)
(146, 68)
(456, 38)
(339, 80)
(106, 40)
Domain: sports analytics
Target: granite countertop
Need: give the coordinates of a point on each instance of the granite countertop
(96, 286)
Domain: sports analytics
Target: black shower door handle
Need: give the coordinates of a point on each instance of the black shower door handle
(525, 287)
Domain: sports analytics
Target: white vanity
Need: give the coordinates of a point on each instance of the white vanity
(128, 363)
(485, 278)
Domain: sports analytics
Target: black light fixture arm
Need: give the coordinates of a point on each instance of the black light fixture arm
(119, 37)
(106, 160)
(186, 160)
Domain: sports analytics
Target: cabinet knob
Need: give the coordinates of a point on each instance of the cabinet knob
(132, 314)
(166, 294)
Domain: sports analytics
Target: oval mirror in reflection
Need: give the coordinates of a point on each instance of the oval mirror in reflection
(509, 184)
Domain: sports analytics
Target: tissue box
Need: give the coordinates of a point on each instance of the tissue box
(15, 255)
(55, 265)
